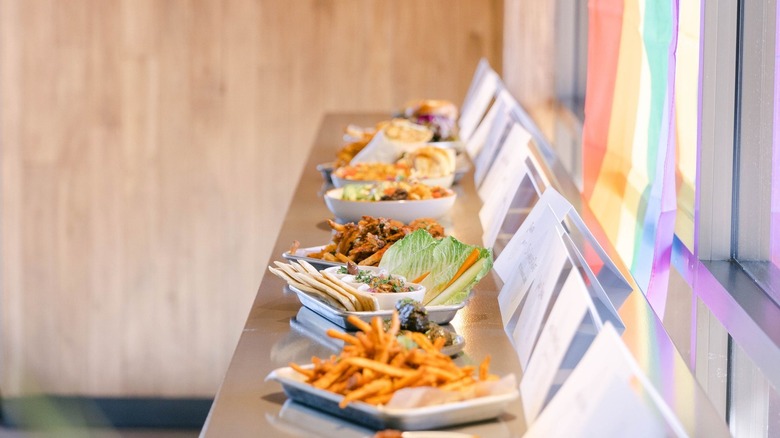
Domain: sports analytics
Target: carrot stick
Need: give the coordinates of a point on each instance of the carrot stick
(470, 260)
(421, 278)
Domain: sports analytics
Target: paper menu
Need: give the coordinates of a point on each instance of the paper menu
(484, 130)
(568, 312)
(600, 390)
(610, 410)
(502, 182)
(543, 286)
(518, 265)
(483, 67)
(508, 160)
(478, 104)
(605, 308)
(496, 207)
(509, 299)
(498, 132)
(601, 265)
(524, 244)
(521, 204)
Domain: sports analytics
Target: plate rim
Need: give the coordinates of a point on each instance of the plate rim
(284, 375)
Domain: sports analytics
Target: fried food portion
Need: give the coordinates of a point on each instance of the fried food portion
(373, 365)
(359, 138)
(364, 242)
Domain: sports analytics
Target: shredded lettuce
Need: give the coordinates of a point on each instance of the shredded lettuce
(419, 253)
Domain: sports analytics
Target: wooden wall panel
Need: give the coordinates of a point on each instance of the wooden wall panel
(148, 150)
(529, 55)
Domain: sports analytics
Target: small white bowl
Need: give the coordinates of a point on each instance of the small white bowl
(387, 300)
(404, 211)
(334, 270)
(383, 272)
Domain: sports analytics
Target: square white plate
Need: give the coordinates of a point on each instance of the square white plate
(378, 417)
(437, 314)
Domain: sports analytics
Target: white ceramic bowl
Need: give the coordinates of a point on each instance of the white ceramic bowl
(387, 300)
(350, 279)
(443, 181)
(404, 211)
(334, 270)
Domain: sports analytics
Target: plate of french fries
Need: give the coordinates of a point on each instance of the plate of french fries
(378, 382)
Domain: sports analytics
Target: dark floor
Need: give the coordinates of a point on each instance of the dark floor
(99, 433)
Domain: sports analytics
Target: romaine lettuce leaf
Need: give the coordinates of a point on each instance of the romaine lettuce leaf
(419, 253)
(397, 258)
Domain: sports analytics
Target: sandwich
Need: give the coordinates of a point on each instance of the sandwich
(440, 115)
(430, 161)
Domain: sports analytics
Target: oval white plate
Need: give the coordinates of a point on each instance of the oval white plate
(404, 211)
(443, 181)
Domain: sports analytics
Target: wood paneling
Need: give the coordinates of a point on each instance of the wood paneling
(529, 52)
(148, 153)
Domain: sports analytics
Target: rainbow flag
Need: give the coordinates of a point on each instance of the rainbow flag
(629, 133)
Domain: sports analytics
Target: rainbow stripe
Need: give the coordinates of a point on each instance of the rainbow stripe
(629, 133)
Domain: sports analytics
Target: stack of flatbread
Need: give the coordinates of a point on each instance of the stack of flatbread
(325, 286)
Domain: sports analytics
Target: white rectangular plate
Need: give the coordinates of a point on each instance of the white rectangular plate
(376, 417)
(437, 314)
(314, 327)
(300, 254)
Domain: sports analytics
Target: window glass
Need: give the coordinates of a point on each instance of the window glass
(687, 116)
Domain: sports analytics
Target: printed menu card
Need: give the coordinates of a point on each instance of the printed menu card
(478, 104)
(567, 315)
(503, 180)
(601, 397)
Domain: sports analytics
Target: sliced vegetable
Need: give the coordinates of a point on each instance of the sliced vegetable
(447, 264)
(470, 260)
(421, 278)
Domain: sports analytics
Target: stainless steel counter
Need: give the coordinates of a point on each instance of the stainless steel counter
(246, 405)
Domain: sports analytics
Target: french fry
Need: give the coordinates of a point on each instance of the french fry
(306, 372)
(330, 257)
(365, 391)
(373, 366)
(379, 399)
(379, 367)
(407, 381)
(349, 339)
(359, 323)
(483, 368)
(331, 376)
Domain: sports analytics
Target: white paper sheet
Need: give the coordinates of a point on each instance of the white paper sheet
(507, 162)
(543, 284)
(498, 131)
(611, 409)
(566, 316)
(496, 207)
(483, 131)
(599, 390)
(502, 182)
(478, 104)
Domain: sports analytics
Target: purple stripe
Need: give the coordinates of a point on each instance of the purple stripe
(696, 191)
(666, 212)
